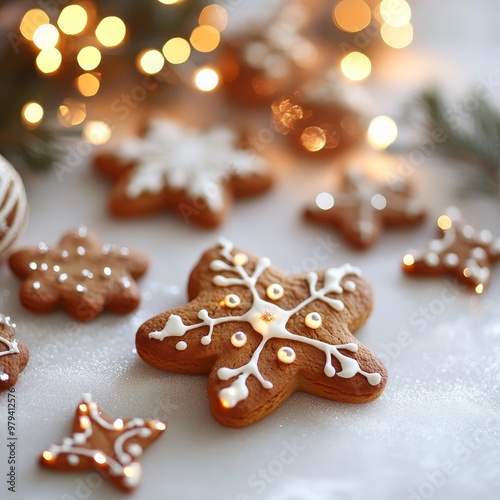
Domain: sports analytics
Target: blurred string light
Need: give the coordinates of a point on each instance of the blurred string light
(150, 61)
(382, 132)
(111, 31)
(177, 50)
(49, 60)
(32, 20)
(89, 58)
(71, 112)
(356, 66)
(46, 36)
(352, 15)
(88, 84)
(72, 20)
(32, 113)
(96, 132)
(206, 79)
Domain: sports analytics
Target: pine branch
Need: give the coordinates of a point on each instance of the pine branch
(475, 137)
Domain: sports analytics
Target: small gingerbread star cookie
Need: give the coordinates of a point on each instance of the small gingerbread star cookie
(79, 274)
(460, 250)
(192, 172)
(362, 208)
(112, 447)
(262, 335)
(13, 355)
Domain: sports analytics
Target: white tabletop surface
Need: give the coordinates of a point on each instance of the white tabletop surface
(434, 432)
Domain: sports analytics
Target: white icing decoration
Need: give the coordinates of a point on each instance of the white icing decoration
(11, 345)
(181, 346)
(451, 259)
(122, 465)
(12, 201)
(275, 291)
(36, 285)
(238, 339)
(186, 159)
(270, 321)
(286, 355)
(349, 286)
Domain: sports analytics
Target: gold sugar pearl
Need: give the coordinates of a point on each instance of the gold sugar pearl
(232, 300)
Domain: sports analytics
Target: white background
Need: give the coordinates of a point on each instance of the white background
(434, 432)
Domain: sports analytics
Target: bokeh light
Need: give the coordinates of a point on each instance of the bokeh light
(444, 222)
(111, 31)
(313, 138)
(170, 2)
(46, 36)
(71, 112)
(356, 66)
(395, 13)
(31, 21)
(89, 58)
(72, 20)
(352, 15)
(214, 15)
(324, 201)
(150, 61)
(177, 50)
(397, 38)
(408, 260)
(206, 79)
(382, 132)
(205, 38)
(88, 84)
(49, 60)
(96, 132)
(32, 113)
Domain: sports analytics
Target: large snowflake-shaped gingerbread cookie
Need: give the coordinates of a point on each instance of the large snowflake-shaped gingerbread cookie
(193, 172)
(79, 274)
(262, 335)
(362, 208)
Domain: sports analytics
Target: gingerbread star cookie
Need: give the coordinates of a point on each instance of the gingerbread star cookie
(262, 335)
(112, 447)
(195, 173)
(80, 275)
(13, 355)
(362, 208)
(460, 250)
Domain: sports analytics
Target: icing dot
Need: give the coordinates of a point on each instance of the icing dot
(451, 259)
(378, 201)
(135, 449)
(239, 339)
(79, 438)
(125, 282)
(313, 320)
(81, 288)
(478, 253)
(44, 266)
(432, 259)
(124, 251)
(275, 291)
(468, 232)
(144, 432)
(118, 424)
(479, 288)
(56, 268)
(63, 277)
(80, 250)
(42, 247)
(82, 231)
(206, 340)
(286, 355)
(64, 254)
(99, 458)
(181, 346)
(435, 245)
(33, 266)
(240, 259)
(4, 377)
(106, 249)
(107, 271)
(73, 459)
(36, 285)
(329, 371)
(87, 274)
(349, 286)
(232, 300)
(485, 236)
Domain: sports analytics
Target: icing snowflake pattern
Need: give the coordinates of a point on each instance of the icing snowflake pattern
(187, 159)
(270, 321)
(13, 355)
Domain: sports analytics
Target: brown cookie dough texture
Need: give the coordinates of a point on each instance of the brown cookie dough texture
(261, 335)
(112, 447)
(460, 250)
(196, 173)
(13, 207)
(79, 274)
(13, 355)
(361, 208)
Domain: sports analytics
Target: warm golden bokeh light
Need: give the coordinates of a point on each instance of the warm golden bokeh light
(382, 132)
(177, 50)
(31, 21)
(111, 31)
(89, 58)
(214, 15)
(72, 20)
(96, 132)
(88, 84)
(352, 15)
(169, 2)
(444, 222)
(49, 60)
(479, 288)
(32, 113)
(150, 61)
(46, 36)
(395, 13)
(356, 66)
(100, 458)
(408, 260)
(205, 38)
(397, 38)
(206, 79)
(313, 138)
(71, 112)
